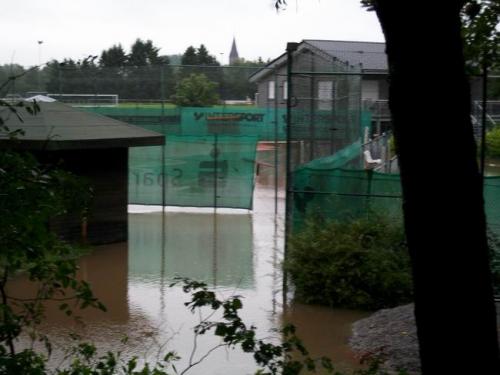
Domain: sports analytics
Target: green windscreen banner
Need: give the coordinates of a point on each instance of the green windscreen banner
(194, 171)
(265, 123)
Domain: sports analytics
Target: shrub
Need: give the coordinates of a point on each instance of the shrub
(493, 142)
(392, 145)
(362, 263)
(196, 91)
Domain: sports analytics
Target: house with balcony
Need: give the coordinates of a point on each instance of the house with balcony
(366, 58)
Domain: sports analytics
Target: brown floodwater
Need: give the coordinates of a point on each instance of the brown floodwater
(238, 252)
(492, 167)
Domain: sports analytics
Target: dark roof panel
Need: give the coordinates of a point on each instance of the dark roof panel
(371, 55)
(59, 126)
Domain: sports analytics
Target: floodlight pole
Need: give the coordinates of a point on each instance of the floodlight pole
(483, 120)
(162, 89)
(312, 125)
(216, 171)
(290, 49)
(276, 154)
(40, 42)
(216, 177)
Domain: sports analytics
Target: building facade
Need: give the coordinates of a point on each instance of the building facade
(367, 58)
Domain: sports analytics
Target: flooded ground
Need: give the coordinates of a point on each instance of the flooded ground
(238, 252)
(492, 167)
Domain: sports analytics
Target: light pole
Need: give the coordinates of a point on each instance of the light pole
(40, 42)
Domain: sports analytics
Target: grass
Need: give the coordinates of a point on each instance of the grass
(147, 105)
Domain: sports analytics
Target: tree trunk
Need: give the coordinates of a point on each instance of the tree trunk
(442, 189)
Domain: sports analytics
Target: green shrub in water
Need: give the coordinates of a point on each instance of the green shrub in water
(361, 263)
(493, 142)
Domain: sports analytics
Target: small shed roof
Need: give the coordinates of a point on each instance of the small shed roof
(60, 127)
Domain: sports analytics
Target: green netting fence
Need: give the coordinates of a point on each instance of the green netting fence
(264, 123)
(341, 194)
(209, 156)
(492, 203)
(195, 171)
(323, 187)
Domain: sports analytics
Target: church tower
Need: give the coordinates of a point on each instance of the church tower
(233, 55)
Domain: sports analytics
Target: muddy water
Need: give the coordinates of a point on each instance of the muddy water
(492, 167)
(237, 252)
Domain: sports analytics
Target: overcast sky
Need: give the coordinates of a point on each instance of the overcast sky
(78, 28)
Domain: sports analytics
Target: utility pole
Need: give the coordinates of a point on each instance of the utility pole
(40, 42)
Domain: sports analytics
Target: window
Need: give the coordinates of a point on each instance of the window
(270, 90)
(285, 90)
(326, 95)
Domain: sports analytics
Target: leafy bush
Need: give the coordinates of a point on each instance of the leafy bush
(392, 145)
(362, 263)
(196, 91)
(493, 142)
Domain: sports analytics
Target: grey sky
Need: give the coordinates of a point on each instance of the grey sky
(78, 28)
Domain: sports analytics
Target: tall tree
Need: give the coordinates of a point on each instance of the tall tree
(198, 56)
(113, 57)
(189, 57)
(212, 69)
(51, 71)
(28, 80)
(204, 57)
(62, 77)
(237, 85)
(188, 61)
(143, 53)
(112, 65)
(480, 19)
(443, 207)
(207, 65)
(147, 72)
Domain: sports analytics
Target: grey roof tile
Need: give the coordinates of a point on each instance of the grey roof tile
(371, 55)
(59, 126)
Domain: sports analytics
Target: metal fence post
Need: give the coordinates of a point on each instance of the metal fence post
(290, 48)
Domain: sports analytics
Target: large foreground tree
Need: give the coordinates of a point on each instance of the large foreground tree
(443, 202)
(442, 188)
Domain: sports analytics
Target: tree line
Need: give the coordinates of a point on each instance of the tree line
(142, 73)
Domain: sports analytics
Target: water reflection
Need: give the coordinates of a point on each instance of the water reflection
(492, 167)
(106, 271)
(239, 253)
(216, 249)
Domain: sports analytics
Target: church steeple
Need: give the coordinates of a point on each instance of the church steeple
(233, 55)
